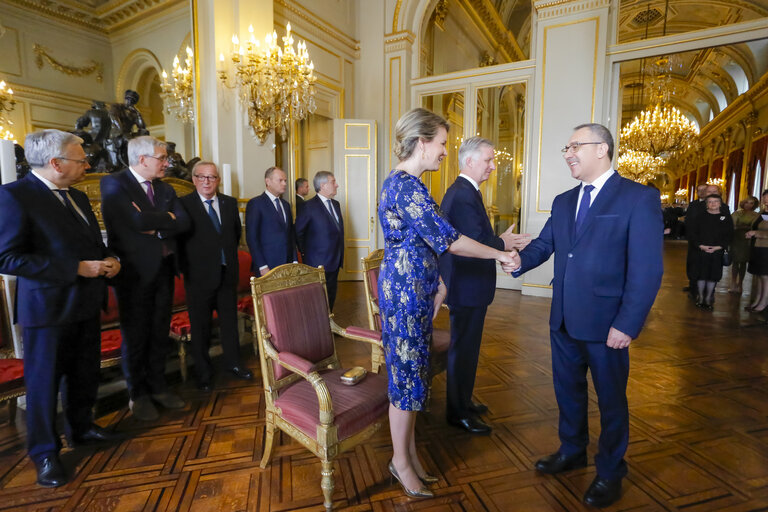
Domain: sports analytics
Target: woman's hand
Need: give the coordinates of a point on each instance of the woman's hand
(750, 234)
(442, 292)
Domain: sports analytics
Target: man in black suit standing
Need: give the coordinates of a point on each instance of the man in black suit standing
(143, 216)
(50, 239)
(210, 266)
(269, 225)
(302, 189)
(320, 231)
(471, 282)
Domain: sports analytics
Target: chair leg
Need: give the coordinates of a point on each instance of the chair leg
(327, 484)
(183, 359)
(12, 410)
(269, 439)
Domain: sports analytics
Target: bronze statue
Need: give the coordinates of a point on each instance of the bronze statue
(176, 166)
(22, 167)
(95, 140)
(127, 123)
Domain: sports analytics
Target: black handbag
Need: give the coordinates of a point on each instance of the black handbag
(727, 260)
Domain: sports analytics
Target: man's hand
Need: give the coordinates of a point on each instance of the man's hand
(111, 267)
(90, 268)
(442, 292)
(263, 271)
(513, 240)
(617, 339)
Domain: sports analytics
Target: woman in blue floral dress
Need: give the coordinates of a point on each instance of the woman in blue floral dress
(410, 289)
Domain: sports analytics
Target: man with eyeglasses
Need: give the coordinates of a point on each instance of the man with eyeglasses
(210, 266)
(50, 239)
(143, 217)
(607, 236)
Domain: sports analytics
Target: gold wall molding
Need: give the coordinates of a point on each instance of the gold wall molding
(94, 68)
(396, 16)
(483, 13)
(400, 41)
(104, 20)
(291, 11)
(553, 8)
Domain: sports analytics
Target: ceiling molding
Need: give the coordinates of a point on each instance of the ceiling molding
(311, 22)
(486, 17)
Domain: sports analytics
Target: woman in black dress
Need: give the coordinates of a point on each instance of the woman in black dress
(711, 235)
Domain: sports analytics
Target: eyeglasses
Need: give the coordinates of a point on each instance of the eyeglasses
(158, 158)
(203, 177)
(81, 161)
(575, 146)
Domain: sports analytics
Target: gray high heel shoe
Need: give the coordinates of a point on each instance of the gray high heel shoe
(418, 493)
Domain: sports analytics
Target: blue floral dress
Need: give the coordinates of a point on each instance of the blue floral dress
(415, 234)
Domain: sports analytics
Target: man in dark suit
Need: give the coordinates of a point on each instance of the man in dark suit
(320, 231)
(50, 239)
(143, 216)
(210, 266)
(269, 225)
(607, 236)
(471, 282)
(302, 189)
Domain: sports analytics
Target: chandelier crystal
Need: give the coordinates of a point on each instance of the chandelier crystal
(7, 104)
(276, 85)
(178, 96)
(640, 166)
(660, 131)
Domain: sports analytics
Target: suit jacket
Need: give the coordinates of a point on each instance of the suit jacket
(300, 202)
(201, 246)
(608, 274)
(272, 241)
(140, 253)
(471, 282)
(42, 243)
(321, 239)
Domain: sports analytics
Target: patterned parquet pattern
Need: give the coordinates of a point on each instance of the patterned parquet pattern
(698, 395)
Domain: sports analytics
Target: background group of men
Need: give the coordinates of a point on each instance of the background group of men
(51, 240)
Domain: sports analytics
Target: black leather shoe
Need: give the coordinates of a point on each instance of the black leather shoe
(95, 434)
(241, 373)
(603, 492)
(50, 472)
(477, 407)
(471, 424)
(557, 463)
(204, 386)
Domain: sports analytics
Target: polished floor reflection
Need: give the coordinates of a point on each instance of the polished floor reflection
(698, 395)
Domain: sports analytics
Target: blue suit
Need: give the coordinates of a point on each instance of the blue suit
(471, 284)
(42, 243)
(270, 238)
(606, 275)
(321, 240)
(145, 284)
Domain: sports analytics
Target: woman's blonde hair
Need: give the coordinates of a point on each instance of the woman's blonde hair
(417, 124)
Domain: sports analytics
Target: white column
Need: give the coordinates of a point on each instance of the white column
(225, 134)
(570, 51)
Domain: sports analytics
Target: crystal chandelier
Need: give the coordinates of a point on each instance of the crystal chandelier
(640, 166)
(178, 96)
(276, 84)
(7, 104)
(660, 131)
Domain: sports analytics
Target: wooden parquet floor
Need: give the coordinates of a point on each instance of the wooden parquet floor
(698, 395)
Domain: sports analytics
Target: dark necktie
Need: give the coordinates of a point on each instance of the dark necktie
(216, 224)
(150, 192)
(583, 206)
(68, 204)
(279, 210)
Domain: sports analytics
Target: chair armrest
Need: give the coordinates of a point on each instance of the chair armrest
(361, 334)
(296, 363)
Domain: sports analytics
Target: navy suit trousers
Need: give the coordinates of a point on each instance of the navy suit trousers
(466, 334)
(68, 354)
(610, 369)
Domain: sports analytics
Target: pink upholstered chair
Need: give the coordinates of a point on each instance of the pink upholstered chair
(305, 397)
(111, 338)
(441, 338)
(11, 367)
